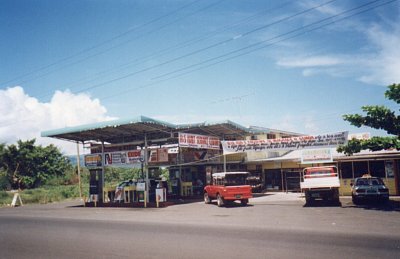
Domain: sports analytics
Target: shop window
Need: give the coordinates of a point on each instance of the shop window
(360, 168)
(377, 168)
(186, 175)
(346, 170)
(389, 169)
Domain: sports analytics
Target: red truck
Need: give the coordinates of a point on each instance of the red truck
(228, 187)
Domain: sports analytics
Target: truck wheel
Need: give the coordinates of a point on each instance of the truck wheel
(244, 202)
(207, 199)
(220, 201)
(309, 200)
(336, 198)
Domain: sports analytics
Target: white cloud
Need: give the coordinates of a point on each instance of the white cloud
(324, 9)
(385, 66)
(300, 124)
(24, 117)
(377, 62)
(306, 62)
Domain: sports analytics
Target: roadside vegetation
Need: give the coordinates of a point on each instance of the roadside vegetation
(376, 117)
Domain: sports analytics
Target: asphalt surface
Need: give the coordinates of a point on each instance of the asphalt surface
(272, 226)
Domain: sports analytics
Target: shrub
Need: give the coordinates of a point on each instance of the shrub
(4, 182)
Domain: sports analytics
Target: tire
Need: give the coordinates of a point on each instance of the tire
(384, 200)
(244, 202)
(220, 201)
(207, 199)
(355, 200)
(309, 200)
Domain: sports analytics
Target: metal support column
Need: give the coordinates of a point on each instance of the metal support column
(101, 178)
(78, 160)
(146, 170)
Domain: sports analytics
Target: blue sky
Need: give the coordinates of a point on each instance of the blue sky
(290, 65)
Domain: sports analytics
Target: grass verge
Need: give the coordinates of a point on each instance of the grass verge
(42, 195)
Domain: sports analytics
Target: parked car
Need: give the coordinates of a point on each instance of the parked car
(255, 183)
(369, 188)
(228, 187)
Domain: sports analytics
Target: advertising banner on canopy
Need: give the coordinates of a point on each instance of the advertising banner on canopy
(198, 141)
(286, 144)
(123, 158)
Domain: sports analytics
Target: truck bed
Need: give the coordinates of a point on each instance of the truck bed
(320, 182)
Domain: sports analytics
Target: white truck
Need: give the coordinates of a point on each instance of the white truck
(320, 183)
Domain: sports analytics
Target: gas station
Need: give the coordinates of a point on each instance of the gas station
(191, 152)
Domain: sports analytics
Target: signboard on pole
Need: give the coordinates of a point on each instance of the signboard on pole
(198, 141)
(93, 160)
(314, 156)
(285, 144)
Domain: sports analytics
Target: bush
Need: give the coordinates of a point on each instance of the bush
(4, 182)
(5, 198)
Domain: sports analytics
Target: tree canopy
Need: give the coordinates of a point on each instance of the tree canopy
(26, 165)
(377, 117)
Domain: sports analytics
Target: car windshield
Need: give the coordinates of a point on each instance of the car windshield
(235, 179)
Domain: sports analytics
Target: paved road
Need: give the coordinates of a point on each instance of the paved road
(274, 226)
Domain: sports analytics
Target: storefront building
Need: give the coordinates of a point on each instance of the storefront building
(284, 173)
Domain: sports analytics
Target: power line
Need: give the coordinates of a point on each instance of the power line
(203, 49)
(262, 43)
(294, 35)
(183, 44)
(103, 42)
(135, 38)
(228, 56)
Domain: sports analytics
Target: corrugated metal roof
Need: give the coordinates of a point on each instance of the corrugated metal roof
(116, 131)
(129, 130)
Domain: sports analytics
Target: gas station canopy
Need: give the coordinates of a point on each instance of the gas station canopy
(134, 130)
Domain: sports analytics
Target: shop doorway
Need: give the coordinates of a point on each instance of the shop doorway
(273, 179)
(292, 180)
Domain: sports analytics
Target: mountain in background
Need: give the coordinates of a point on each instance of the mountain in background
(74, 161)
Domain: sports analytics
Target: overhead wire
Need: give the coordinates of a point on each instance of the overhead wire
(202, 49)
(131, 40)
(229, 56)
(189, 42)
(264, 45)
(86, 50)
(325, 117)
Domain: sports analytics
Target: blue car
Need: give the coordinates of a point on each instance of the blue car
(369, 188)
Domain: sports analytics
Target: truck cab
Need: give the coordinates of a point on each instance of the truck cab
(228, 187)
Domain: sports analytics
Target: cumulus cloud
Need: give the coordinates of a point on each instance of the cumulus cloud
(25, 117)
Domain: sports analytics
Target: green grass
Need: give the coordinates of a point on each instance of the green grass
(43, 195)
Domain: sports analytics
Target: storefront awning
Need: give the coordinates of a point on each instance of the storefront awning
(295, 156)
